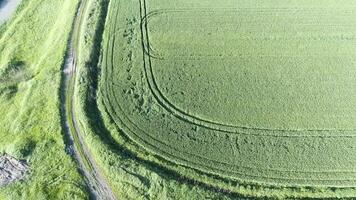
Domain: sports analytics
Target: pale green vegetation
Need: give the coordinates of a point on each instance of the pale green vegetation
(258, 95)
(188, 99)
(32, 50)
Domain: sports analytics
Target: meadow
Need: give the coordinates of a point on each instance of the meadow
(32, 49)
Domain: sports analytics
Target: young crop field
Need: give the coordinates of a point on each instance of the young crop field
(177, 99)
(253, 92)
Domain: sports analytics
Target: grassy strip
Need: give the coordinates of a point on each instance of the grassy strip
(71, 85)
(30, 124)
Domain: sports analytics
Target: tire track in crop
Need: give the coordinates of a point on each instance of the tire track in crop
(96, 182)
(212, 125)
(124, 126)
(163, 101)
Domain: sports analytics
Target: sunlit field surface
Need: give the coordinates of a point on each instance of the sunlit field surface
(254, 92)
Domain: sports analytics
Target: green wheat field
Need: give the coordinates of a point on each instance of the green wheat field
(184, 99)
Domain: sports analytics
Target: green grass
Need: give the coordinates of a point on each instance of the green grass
(32, 49)
(184, 99)
(256, 95)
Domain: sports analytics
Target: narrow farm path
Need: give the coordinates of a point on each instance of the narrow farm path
(97, 183)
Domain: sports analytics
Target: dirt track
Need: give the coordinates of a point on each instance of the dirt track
(96, 181)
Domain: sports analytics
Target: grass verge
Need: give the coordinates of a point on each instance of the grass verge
(32, 49)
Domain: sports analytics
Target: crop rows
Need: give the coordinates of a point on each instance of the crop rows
(132, 79)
